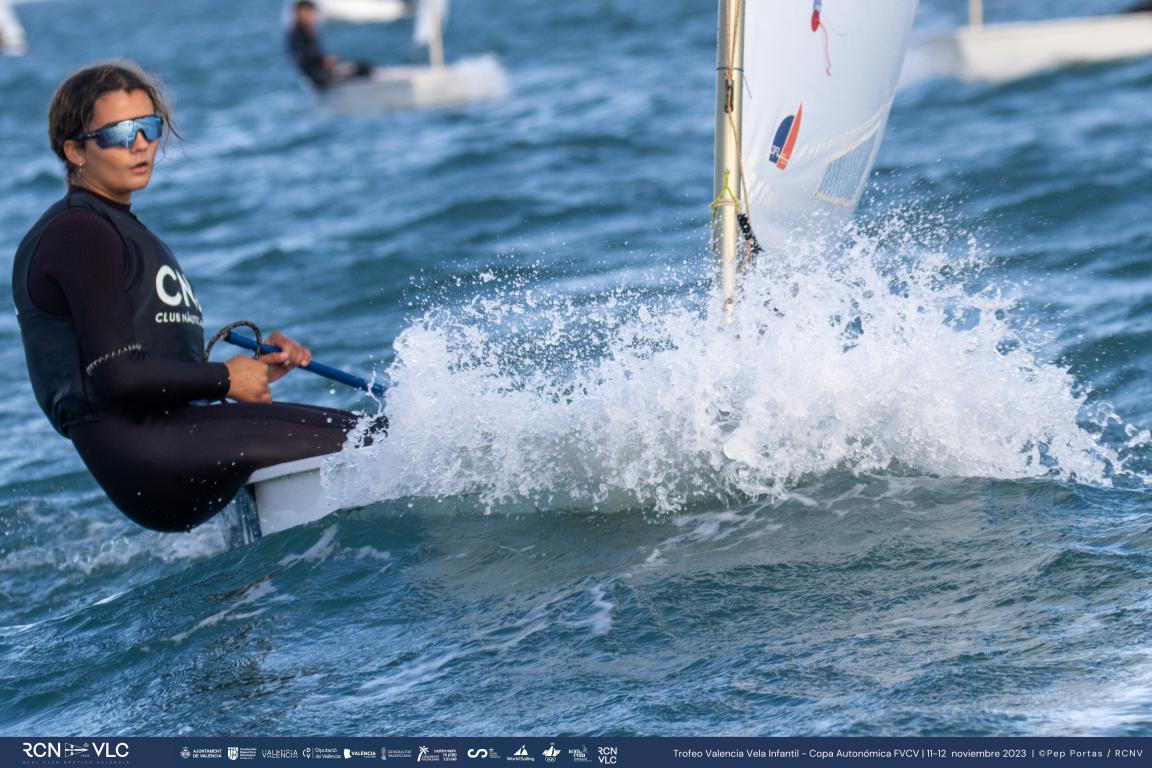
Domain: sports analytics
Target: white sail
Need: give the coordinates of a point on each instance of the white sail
(819, 81)
(12, 40)
(430, 18)
(364, 11)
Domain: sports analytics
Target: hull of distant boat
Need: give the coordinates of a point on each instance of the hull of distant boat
(1001, 52)
(403, 88)
(363, 11)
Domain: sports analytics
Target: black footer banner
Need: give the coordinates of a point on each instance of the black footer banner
(569, 752)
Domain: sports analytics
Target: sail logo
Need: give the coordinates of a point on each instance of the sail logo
(785, 139)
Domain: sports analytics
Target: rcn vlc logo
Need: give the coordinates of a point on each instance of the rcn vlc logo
(104, 750)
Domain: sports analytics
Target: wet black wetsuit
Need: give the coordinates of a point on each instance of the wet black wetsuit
(122, 376)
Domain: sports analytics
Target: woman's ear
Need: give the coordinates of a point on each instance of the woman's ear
(75, 152)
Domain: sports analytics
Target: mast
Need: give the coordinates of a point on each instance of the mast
(436, 39)
(727, 181)
(429, 29)
(975, 13)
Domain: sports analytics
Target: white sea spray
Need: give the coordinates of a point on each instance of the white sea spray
(892, 356)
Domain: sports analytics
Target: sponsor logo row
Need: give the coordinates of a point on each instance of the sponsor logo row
(422, 754)
(109, 752)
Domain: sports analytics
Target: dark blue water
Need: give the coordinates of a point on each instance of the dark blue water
(908, 494)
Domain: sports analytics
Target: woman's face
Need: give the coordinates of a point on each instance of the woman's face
(115, 172)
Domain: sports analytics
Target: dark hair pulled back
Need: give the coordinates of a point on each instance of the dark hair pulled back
(75, 101)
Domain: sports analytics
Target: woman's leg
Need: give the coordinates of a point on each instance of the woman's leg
(173, 470)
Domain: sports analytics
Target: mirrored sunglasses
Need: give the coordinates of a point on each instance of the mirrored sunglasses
(123, 133)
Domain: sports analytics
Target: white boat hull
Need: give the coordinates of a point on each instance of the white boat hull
(277, 498)
(1002, 52)
(402, 88)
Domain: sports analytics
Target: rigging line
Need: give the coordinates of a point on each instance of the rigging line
(827, 52)
(720, 198)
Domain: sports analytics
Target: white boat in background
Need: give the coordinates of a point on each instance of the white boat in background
(12, 40)
(364, 11)
(437, 84)
(791, 149)
(388, 89)
(1007, 51)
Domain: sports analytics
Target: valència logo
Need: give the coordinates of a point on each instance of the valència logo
(185, 753)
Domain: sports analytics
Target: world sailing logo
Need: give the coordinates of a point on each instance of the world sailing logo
(785, 139)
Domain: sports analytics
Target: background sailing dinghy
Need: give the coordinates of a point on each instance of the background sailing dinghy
(1006, 51)
(793, 154)
(438, 84)
(12, 41)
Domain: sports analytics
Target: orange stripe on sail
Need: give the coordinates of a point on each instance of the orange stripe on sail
(790, 142)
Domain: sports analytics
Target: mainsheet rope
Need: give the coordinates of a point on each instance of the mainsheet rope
(220, 334)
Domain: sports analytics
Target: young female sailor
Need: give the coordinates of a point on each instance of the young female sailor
(113, 333)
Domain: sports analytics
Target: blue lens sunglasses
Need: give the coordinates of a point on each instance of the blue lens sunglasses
(123, 133)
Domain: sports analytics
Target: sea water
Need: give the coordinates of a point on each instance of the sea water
(904, 492)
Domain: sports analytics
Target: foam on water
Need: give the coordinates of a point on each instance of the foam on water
(888, 357)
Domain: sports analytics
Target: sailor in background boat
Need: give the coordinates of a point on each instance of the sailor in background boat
(113, 333)
(304, 46)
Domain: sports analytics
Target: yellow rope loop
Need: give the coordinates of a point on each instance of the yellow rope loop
(720, 200)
